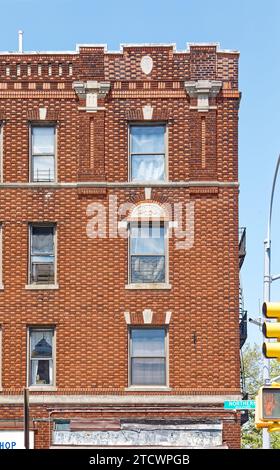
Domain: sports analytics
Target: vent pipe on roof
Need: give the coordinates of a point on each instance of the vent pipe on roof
(20, 42)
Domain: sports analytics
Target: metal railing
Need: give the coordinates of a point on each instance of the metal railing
(242, 318)
(242, 245)
(243, 327)
(43, 175)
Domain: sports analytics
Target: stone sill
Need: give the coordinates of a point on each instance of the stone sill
(42, 286)
(38, 388)
(90, 109)
(1, 286)
(148, 286)
(164, 388)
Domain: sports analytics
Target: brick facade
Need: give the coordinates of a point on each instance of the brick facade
(87, 309)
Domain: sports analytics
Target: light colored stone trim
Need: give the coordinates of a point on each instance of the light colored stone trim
(147, 112)
(147, 316)
(42, 287)
(203, 90)
(173, 224)
(127, 318)
(201, 109)
(120, 184)
(47, 388)
(91, 110)
(148, 286)
(168, 317)
(122, 224)
(91, 91)
(147, 389)
(148, 193)
(121, 399)
(42, 113)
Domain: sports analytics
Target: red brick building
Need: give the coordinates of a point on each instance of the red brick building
(117, 313)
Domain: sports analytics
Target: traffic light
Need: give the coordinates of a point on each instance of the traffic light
(267, 414)
(272, 330)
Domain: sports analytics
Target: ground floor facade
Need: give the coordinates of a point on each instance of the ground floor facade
(81, 421)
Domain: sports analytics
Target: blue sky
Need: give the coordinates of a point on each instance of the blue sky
(250, 26)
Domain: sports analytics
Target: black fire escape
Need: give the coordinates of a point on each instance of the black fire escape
(242, 318)
(242, 312)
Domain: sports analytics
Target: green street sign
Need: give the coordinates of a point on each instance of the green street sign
(240, 405)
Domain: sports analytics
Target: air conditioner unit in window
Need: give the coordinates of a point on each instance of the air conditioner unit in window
(43, 273)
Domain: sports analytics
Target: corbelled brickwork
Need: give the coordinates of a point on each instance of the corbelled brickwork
(88, 307)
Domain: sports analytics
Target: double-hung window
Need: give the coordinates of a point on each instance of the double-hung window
(41, 356)
(42, 254)
(147, 252)
(148, 356)
(43, 153)
(147, 153)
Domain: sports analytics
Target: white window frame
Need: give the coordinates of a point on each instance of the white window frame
(41, 387)
(166, 166)
(35, 286)
(150, 285)
(166, 343)
(42, 124)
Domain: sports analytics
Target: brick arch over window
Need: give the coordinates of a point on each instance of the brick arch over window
(136, 114)
(150, 210)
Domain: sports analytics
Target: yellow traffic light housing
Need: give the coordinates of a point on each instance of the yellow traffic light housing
(272, 330)
(267, 413)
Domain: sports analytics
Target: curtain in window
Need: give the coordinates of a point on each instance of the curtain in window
(41, 372)
(148, 356)
(147, 167)
(41, 357)
(42, 254)
(147, 153)
(42, 240)
(148, 371)
(147, 269)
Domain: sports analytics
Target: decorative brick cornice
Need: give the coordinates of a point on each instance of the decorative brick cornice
(148, 94)
(33, 94)
(202, 90)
